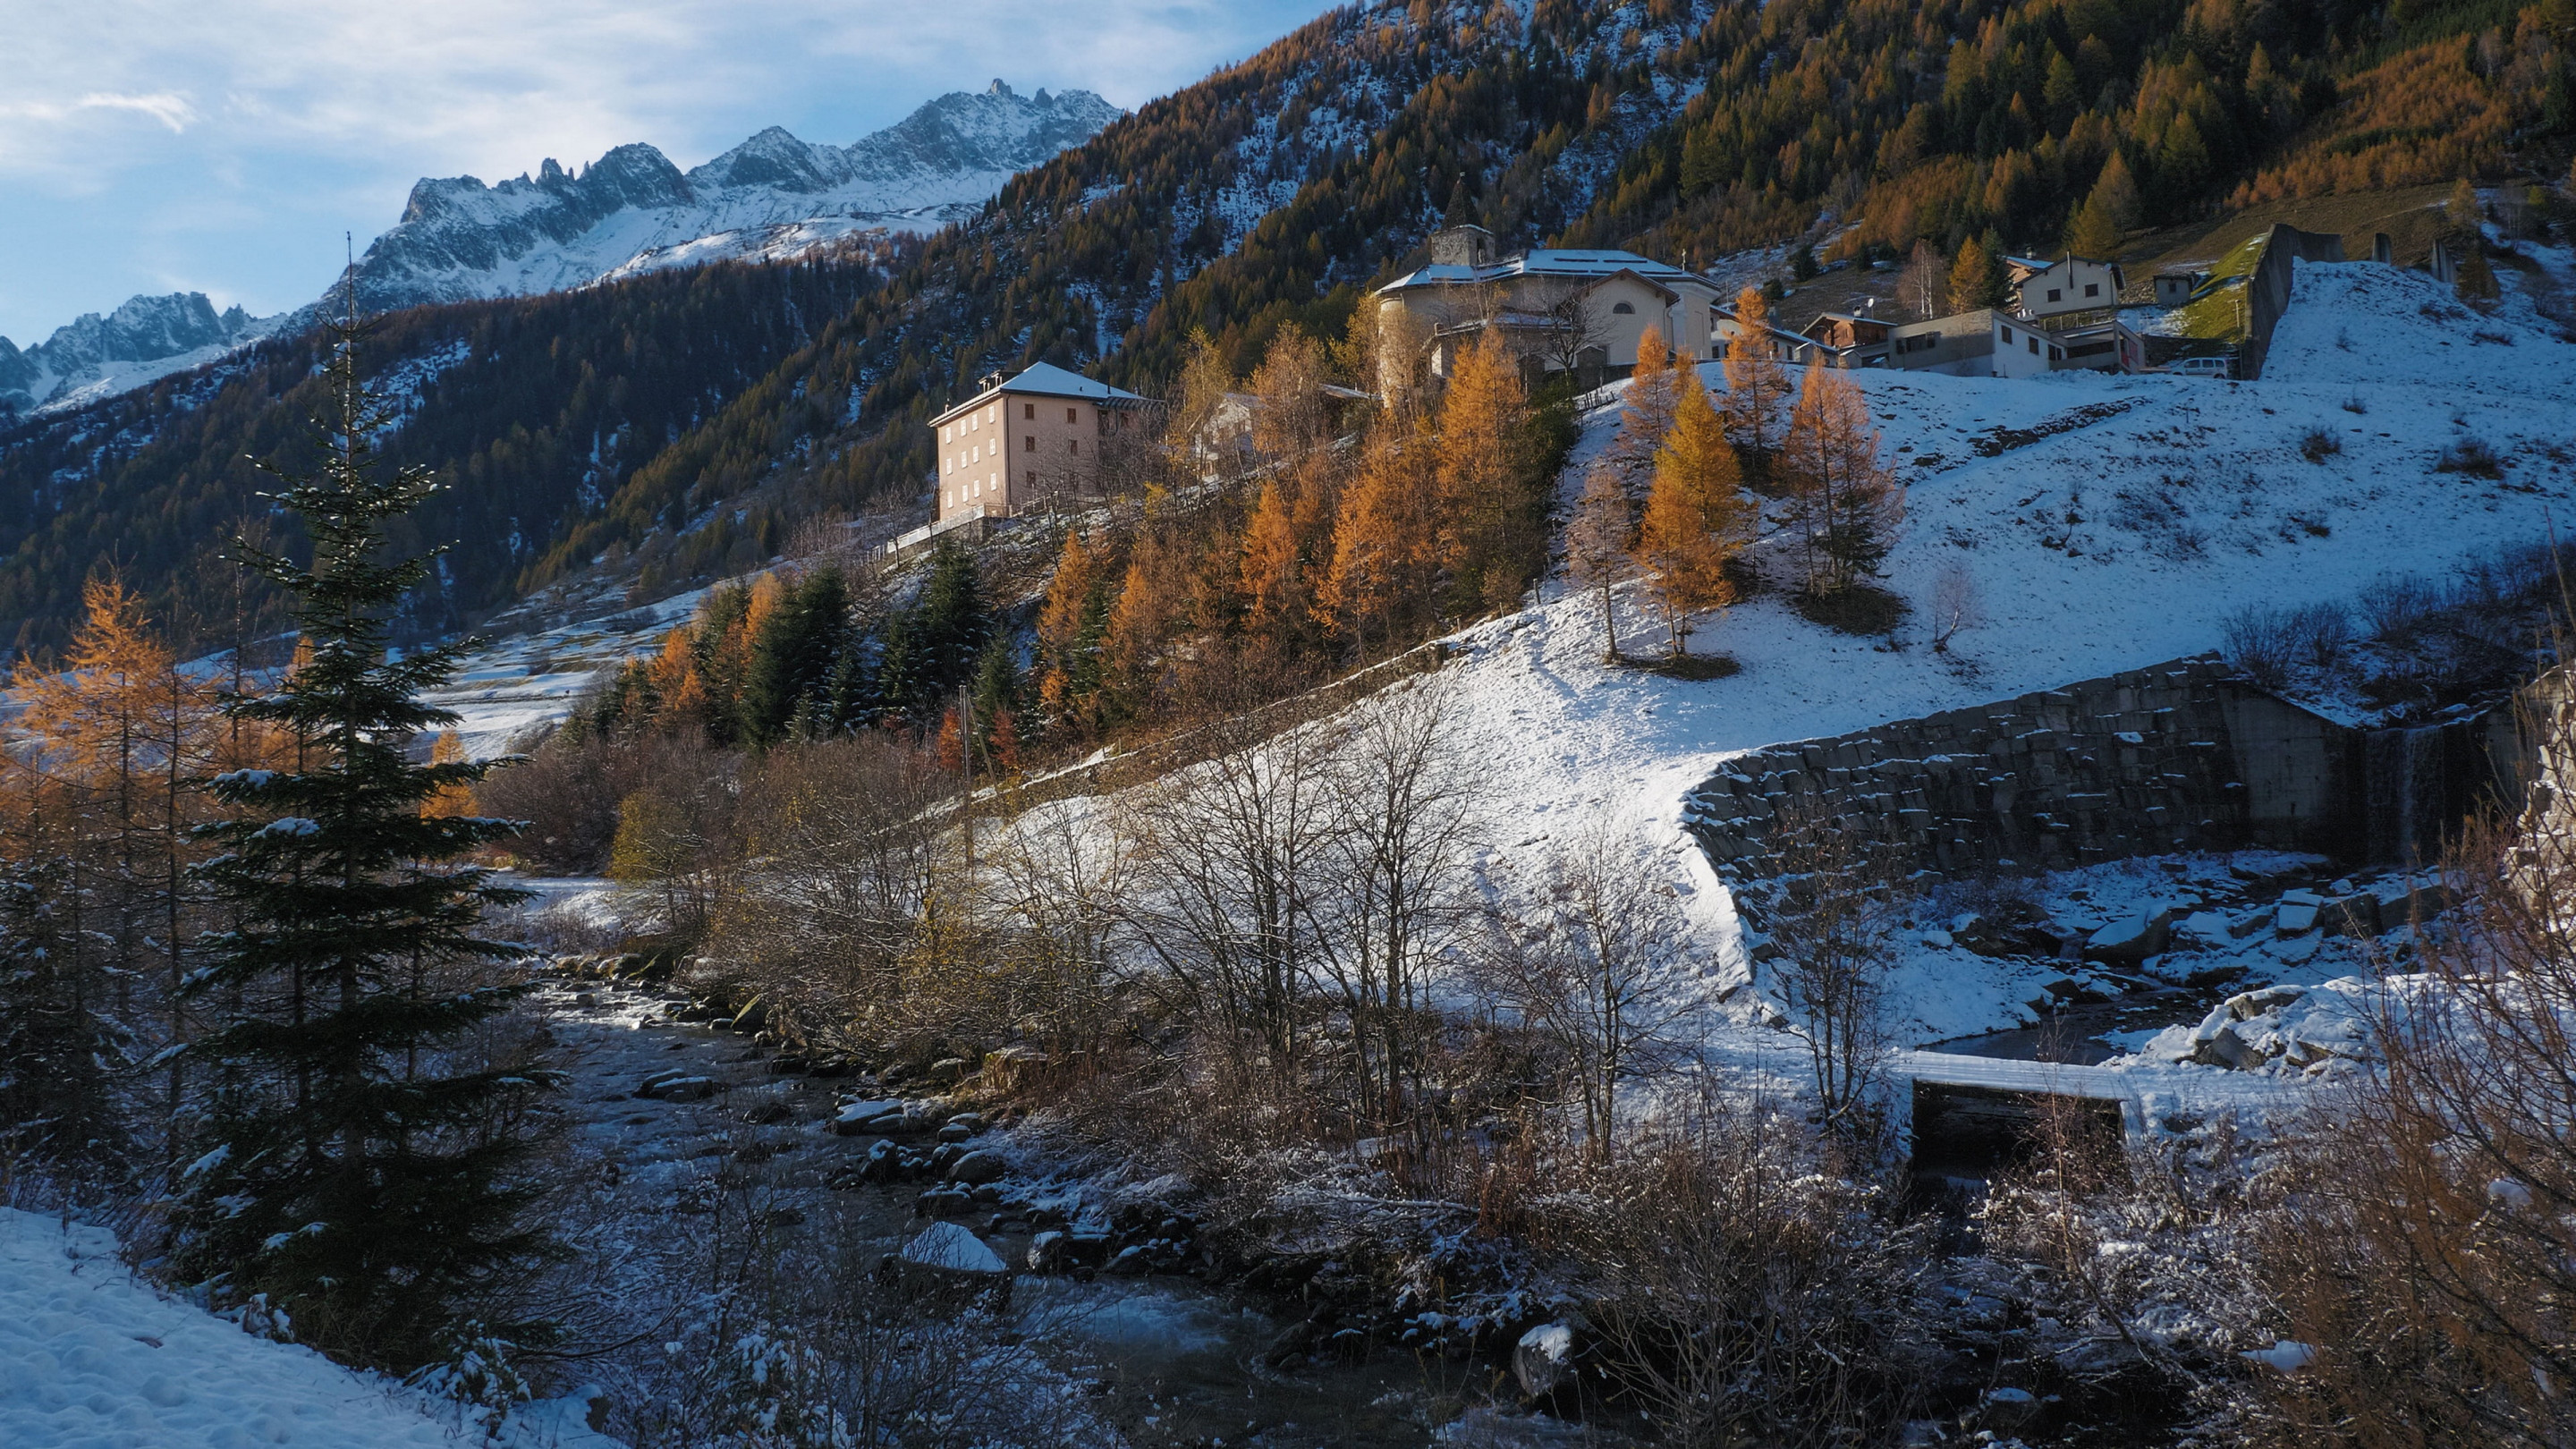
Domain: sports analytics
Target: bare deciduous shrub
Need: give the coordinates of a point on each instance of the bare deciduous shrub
(796, 1339)
(2319, 444)
(678, 843)
(1581, 972)
(2430, 1256)
(567, 789)
(2472, 457)
(2396, 605)
(849, 840)
(2355, 406)
(1748, 1291)
(2267, 643)
(1839, 898)
(2257, 641)
(1954, 605)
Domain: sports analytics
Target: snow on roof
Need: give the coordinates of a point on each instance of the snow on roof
(1046, 380)
(1549, 262)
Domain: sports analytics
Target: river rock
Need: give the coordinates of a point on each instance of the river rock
(2132, 939)
(1292, 1344)
(951, 1248)
(884, 1162)
(861, 1119)
(1543, 1360)
(977, 1168)
(684, 1089)
(2352, 915)
(2296, 914)
(2008, 1408)
(954, 1133)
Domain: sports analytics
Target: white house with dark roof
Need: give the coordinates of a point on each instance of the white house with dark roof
(1557, 306)
(1034, 436)
(2042, 288)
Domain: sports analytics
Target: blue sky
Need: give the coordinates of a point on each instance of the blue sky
(223, 146)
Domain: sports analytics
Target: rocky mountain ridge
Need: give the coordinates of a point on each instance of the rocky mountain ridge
(770, 198)
(144, 339)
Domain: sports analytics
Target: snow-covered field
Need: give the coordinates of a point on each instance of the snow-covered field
(92, 1359)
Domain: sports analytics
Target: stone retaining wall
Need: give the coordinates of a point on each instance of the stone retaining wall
(2138, 763)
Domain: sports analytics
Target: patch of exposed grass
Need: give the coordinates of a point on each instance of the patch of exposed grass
(1863, 609)
(1689, 666)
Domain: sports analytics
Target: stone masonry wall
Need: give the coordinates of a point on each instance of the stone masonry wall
(2138, 763)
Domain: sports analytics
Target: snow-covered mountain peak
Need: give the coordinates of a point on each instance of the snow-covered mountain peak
(143, 339)
(775, 195)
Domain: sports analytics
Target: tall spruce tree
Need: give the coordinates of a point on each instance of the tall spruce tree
(790, 674)
(366, 1169)
(931, 649)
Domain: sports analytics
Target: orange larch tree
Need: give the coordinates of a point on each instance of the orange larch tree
(1646, 411)
(1757, 388)
(1848, 506)
(1697, 518)
(1489, 511)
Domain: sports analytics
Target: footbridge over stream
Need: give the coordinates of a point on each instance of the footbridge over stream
(1983, 1111)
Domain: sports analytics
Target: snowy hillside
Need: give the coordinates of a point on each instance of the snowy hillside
(145, 339)
(2126, 539)
(89, 1356)
(769, 198)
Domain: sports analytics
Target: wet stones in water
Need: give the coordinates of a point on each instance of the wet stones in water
(788, 1066)
(768, 1112)
(1293, 1344)
(679, 1086)
(862, 1119)
(974, 1169)
(1057, 1251)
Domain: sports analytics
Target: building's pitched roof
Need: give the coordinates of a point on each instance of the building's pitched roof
(1550, 262)
(1725, 312)
(1045, 379)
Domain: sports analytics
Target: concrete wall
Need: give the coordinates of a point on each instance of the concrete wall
(2268, 289)
(2180, 756)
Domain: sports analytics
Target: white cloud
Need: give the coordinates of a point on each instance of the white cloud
(170, 110)
(168, 129)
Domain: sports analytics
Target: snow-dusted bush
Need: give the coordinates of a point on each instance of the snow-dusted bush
(1745, 1290)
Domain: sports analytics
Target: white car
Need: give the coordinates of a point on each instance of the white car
(2200, 367)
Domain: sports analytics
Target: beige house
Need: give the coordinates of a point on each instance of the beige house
(1560, 309)
(1033, 438)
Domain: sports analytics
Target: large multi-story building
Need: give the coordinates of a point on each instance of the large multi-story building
(1558, 309)
(1034, 437)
